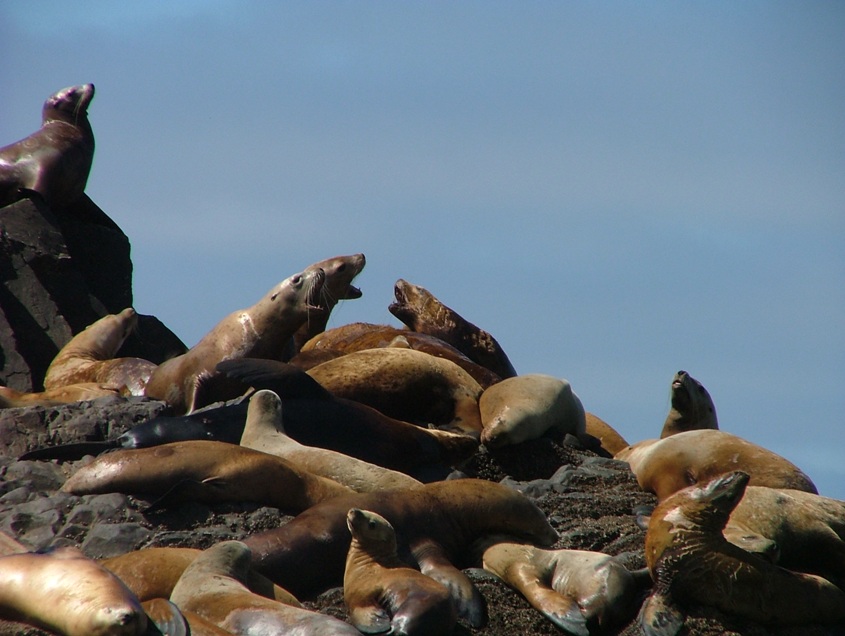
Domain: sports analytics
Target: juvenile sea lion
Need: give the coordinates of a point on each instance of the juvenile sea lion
(11, 398)
(213, 587)
(260, 331)
(581, 592)
(417, 308)
(691, 562)
(452, 513)
(264, 431)
(66, 592)
(382, 593)
(407, 385)
(55, 160)
(89, 357)
(527, 407)
(204, 471)
(667, 465)
(692, 407)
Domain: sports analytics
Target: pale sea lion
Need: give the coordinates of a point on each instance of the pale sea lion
(12, 398)
(264, 431)
(260, 331)
(153, 572)
(452, 513)
(581, 592)
(407, 385)
(213, 587)
(89, 357)
(417, 308)
(692, 563)
(527, 407)
(382, 593)
(55, 160)
(204, 471)
(66, 592)
(667, 465)
(692, 407)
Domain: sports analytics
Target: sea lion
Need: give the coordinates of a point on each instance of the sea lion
(204, 471)
(417, 308)
(213, 587)
(189, 381)
(407, 385)
(359, 336)
(527, 407)
(382, 593)
(452, 513)
(55, 160)
(172, 621)
(666, 465)
(264, 431)
(12, 398)
(609, 440)
(692, 407)
(692, 563)
(89, 357)
(153, 572)
(340, 271)
(66, 592)
(581, 592)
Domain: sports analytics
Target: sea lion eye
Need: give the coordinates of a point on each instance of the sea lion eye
(296, 280)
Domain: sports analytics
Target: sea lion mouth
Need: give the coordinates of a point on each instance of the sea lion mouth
(727, 488)
(678, 381)
(314, 294)
(353, 292)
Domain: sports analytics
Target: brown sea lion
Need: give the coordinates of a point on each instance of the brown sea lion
(153, 572)
(692, 563)
(264, 431)
(417, 308)
(214, 587)
(527, 407)
(189, 381)
(581, 592)
(12, 398)
(609, 440)
(66, 592)
(382, 593)
(204, 471)
(451, 513)
(667, 465)
(692, 407)
(89, 357)
(55, 160)
(407, 385)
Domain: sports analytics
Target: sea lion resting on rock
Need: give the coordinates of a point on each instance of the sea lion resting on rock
(667, 465)
(11, 398)
(89, 357)
(692, 562)
(692, 407)
(66, 592)
(55, 160)
(382, 593)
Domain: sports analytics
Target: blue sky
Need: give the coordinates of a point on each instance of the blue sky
(615, 190)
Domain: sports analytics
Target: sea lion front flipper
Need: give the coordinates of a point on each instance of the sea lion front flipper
(370, 619)
(561, 610)
(286, 380)
(165, 618)
(659, 616)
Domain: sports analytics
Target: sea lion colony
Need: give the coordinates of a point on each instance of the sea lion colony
(355, 430)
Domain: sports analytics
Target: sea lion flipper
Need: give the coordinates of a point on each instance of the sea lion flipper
(370, 619)
(165, 617)
(562, 610)
(659, 616)
(286, 380)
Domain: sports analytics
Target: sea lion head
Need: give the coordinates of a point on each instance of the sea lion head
(411, 300)
(692, 406)
(371, 531)
(340, 271)
(306, 285)
(70, 102)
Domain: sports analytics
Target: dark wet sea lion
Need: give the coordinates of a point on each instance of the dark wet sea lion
(692, 407)
(55, 160)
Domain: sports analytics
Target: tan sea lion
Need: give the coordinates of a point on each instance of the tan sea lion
(382, 593)
(452, 514)
(66, 592)
(213, 587)
(609, 440)
(581, 592)
(55, 160)
(171, 621)
(12, 398)
(260, 331)
(692, 563)
(417, 308)
(407, 385)
(264, 431)
(153, 572)
(667, 465)
(89, 357)
(527, 407)
(204, 471)
(692, 407)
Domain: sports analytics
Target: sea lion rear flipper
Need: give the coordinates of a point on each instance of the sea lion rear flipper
(562, 610)
(659, 616)
(370, 620)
